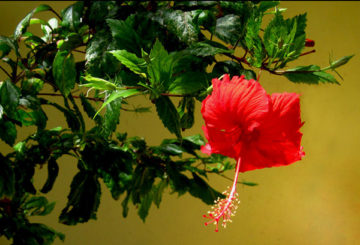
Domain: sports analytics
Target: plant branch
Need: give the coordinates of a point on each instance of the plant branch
(263, 66)
(57, 15)
(74, 96)
(79, 51)
(5, 71)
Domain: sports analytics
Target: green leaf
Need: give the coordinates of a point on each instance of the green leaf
(64, 72)
(32, 86)
(309, 74)
(89, 109)
(188, 83)
(6, 45)
(96, 54)
(72, 15)
(131, 61)
(71, 119)
(337, 63)
(7, 178)
(53, 170)
(249, 183)
(38, 205)
(118, 94)
(161, 67)
(186, 110)
(181, 25)
(34, 233)
(285, 39)
(97, 83)
(124, 205)
(1, 112)
(158, 191)
(168, 115)
(265, 5)
(171, 149)
(253, 41)
(145, 205)
(227, 67)
(196, 139)
(229, 28)
(111, 117)
(124, 36)
(24, 23)
(178, 181)
(200, 189)
(9, 98)
(208, 48)
(7, 132)
(83, 199)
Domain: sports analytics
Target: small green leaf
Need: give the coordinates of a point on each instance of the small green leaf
(72, 16)
(64, 72)
(337, 63)
(6, 45)
(200, 189)
(38, 205)
(309, 74)
(227, 67)
(7, 132)
(168, 115)
(9, 98)
(89, 109)
(24, 23)
(145, 205)
(196, 139)
(7, 178)
(1, 112)
(111, 117)
(229, 28)
(188, 83)
(97, 83)
(71, 119)
(208, 48)
(131, 61)
(124, 35)
(181, 25)
(32, 86)
(83, 199)
(53, 170)
(248, 183)
(118, 94)
(158, 191)
(171, 149)
(265, 5)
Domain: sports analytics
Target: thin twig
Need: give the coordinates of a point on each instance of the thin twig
(309, 52)
(5, 71)
(79, 51)
(75, 96)
(56, 14)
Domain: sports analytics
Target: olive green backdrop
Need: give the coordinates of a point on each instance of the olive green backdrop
(315, 201)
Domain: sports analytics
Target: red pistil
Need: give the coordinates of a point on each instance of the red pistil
(225, 208)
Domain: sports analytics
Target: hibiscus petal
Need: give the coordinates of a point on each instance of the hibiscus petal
(235, 103)
(279, 138)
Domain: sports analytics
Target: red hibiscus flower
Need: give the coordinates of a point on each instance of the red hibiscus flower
(258, 130)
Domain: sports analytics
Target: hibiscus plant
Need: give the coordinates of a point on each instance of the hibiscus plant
(96, 55)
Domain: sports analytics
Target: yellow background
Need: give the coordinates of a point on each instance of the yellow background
(315, 201)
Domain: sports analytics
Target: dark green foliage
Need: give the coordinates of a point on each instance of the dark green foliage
(64, 72)
(157, 49)
(168, 115)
